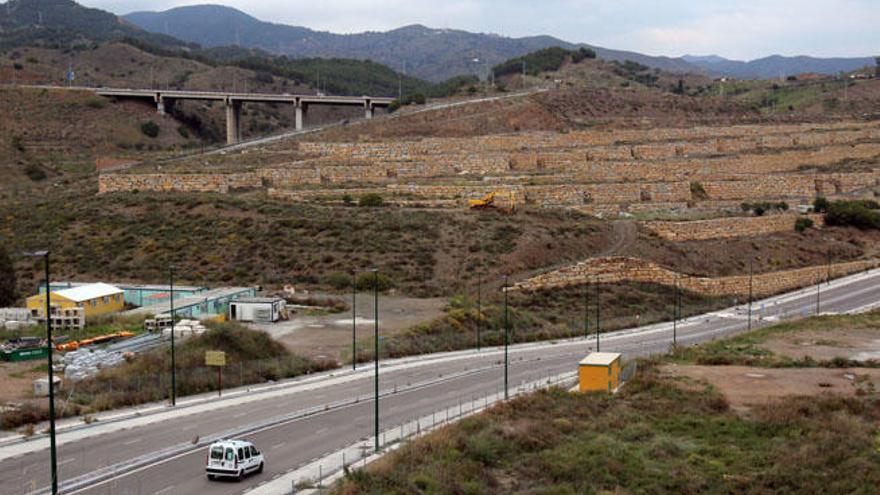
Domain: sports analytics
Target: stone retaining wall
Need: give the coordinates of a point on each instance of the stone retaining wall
(219, 183)
(620, 269)
(724, 228)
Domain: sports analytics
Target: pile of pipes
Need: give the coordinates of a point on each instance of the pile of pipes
(86, 362)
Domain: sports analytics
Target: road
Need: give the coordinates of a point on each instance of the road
(443, 380)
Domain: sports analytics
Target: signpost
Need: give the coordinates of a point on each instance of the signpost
(218, 359)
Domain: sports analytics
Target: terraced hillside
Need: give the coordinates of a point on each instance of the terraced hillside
(599, 172)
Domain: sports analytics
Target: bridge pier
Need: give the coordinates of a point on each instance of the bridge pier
(302, 111)
(368, 109)
(233, 121)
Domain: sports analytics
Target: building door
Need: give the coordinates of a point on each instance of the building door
(232, 310)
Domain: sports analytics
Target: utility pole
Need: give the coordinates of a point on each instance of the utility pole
(751, 277)
(506, 338)
(173, 361)
(828, 276)
(818, 294)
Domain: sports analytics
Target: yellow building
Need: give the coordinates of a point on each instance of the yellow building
(599, 371)
(95, 299)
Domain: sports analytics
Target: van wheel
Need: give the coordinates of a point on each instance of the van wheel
(211, 477)
(240, 475)
(260, 469)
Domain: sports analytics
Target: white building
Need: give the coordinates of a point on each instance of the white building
(257, 309)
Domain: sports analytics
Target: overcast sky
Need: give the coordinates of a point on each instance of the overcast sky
(741, 29)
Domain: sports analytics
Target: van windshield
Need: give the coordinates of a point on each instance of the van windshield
(217, 453)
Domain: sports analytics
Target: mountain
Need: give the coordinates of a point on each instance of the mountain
(777, 66)
(64, 21)
(432, 54)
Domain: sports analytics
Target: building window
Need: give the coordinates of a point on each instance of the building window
(94, 303)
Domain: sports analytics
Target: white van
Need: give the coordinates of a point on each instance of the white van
(233, 458)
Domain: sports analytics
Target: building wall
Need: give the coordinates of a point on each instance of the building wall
(94, 307)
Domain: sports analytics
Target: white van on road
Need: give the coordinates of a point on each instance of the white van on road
(233, 459)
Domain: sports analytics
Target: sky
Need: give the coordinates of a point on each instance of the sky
(737, 29)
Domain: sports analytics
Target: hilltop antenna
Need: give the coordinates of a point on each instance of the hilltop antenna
(40, 19)
(237, 37)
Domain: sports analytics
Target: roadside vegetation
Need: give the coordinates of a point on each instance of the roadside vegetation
(543, 315)
(252, 357)
(657, 435)
(662, 433)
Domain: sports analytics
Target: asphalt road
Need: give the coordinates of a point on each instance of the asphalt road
(293, 443)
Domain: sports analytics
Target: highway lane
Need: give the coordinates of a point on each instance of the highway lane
(20, 475)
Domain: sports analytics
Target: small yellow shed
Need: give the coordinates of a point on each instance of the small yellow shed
(599, 371)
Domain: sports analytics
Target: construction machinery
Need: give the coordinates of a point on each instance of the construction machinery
(495, 200)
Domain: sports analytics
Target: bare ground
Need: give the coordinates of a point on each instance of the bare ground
(329, 335)
(746, 387)
(858, 344)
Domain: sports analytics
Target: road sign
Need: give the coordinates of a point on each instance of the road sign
(71, 75)
(215, 358)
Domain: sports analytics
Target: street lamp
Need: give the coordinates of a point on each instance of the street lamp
(598, 321)
(586, 310)
(375, 272)
(173, 361)
(479, 308)
(676, 312)
(506, 338)
(751, 276)
(354, 321)
(52, 445)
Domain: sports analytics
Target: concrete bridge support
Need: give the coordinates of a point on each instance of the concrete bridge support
(164, 105)
(302, 111)
(368, 109)
(233, 121)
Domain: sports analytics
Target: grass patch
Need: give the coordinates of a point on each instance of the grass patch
(653, 437)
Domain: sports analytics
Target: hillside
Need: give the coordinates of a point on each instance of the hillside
(778, 66)
(432, 54)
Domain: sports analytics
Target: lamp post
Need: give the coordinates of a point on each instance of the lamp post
(479, 309)
(354, 321)
(53, 453)
(506, 338)
(586, 307)
(376, 348)
(751, 277)
(173, 361)
(818, 294)
(598, 320)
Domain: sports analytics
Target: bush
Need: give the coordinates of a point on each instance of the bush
(582, 54)
(394, 106)
(802, 224)
(17, 143)
(184, 133)
(35, 172)
(347, 199)
(8, 291)
(339, 280)
(96, 103)
(419, 99)
(698, 192)
(368, 281)
(371, 200)
(859, 214)
(150, 129)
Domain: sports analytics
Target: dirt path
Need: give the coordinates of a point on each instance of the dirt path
(626, 234)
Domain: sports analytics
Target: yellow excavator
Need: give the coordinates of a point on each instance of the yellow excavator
(491, 201)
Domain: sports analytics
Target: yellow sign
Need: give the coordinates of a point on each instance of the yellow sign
(215, 358)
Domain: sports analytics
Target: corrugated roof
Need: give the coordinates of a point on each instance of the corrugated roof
(600, 359)
(88, 292)
(258, 300)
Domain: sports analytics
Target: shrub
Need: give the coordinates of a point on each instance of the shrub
(35, 172)
(419, 99)
(371, 200)
(17, 143)
(582, 54)
(394, 106)
(8, 292)
(339, 280)
(96, 103)
(859, 214)
(698, 192)
(347, 199)
(802, 224)
(150, 129)
(184, 133)
(369, 281)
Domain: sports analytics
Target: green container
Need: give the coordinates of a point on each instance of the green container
(25, 354)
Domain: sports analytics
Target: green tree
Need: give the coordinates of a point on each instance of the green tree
(150, 129)
(8, 293)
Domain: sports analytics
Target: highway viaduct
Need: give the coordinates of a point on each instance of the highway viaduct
(164, 99)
